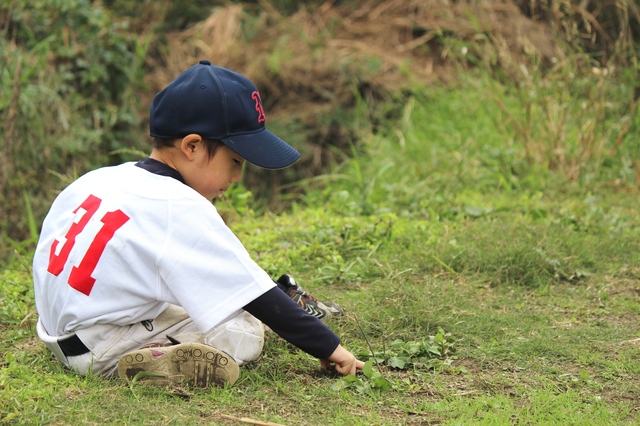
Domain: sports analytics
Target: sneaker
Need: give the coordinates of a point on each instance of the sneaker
(194, 364)
(322, 310)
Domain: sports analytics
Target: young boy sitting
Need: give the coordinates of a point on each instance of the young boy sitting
(135, 271)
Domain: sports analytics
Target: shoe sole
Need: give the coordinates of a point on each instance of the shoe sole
(193, 364)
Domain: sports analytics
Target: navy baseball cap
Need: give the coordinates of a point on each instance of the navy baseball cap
(217, 103)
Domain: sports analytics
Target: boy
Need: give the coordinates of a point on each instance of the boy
(135, 271)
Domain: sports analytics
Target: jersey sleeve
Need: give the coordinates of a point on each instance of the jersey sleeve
(203, 266)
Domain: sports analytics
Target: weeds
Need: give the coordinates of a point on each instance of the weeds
(564, 118)
(74, 72)
(371, 383)
(432, 354)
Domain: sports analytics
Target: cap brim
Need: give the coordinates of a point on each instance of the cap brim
(264, 149)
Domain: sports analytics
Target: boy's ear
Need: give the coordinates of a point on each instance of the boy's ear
(190, 144)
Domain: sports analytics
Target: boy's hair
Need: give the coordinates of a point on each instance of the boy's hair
(211, 145)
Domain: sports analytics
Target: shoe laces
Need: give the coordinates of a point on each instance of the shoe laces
(294, 288)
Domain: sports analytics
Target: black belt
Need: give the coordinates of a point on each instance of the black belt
(73, 346)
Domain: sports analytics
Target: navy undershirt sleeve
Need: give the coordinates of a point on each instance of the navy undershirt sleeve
(285, 317)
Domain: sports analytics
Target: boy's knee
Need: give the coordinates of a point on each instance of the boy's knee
(242, 337)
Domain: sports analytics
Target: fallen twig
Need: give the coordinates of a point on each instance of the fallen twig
(249, 421)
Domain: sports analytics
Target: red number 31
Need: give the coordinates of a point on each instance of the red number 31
(80, 277)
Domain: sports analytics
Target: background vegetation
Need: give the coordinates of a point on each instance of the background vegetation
(78, 76)
(468, 192)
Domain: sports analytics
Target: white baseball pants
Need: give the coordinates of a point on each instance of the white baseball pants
(242, 337)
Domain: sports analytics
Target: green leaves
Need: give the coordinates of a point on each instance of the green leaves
(419, 355)
(398, 362)
(372, 382)
(432, 353)
(377, 381)
(71, 73)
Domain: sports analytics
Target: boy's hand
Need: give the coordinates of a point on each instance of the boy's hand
(342, 361)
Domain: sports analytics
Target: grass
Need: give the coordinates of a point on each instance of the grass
(502, 294)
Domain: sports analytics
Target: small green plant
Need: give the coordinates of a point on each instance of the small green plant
(434, 353)
(373, 382)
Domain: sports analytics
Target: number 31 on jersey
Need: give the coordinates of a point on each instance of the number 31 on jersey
(80, 277)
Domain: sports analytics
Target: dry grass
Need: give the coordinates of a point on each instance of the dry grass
(317, 62)
(315, 65)
(311, 60)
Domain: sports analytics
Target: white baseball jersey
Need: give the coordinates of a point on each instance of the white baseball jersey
(121, 243)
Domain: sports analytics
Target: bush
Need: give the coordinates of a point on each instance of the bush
(73, 70)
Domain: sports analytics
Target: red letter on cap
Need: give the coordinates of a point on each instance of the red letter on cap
(256, 97)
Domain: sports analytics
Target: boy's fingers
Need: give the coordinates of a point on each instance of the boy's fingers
(342, 361)
(343, 369)
(326, 364)
(350, 367)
